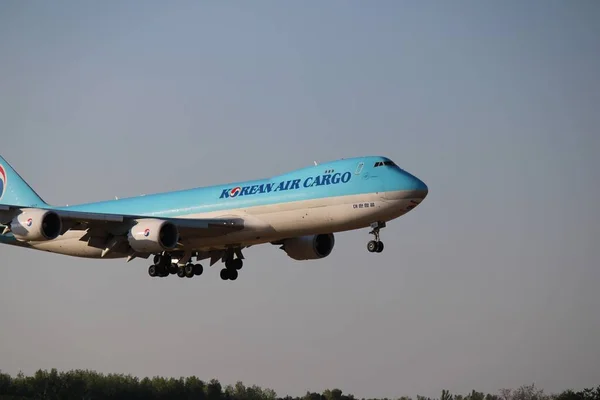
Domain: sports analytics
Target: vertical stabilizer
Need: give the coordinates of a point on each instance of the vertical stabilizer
(14, 191)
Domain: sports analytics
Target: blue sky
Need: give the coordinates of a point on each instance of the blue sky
(490, 283)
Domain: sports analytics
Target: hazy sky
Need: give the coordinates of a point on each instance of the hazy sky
(492, 282)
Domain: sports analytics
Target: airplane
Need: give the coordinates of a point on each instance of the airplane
(300, 211)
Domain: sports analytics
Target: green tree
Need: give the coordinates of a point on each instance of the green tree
(312, 396)
(5, 383)
(475, 395)
(334, 394)
(590, 393)
(214, 390)
(195, 388)
(529, 392)
(446, 395)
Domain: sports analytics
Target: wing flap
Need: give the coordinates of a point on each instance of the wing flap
(201, 228)
(78, 216)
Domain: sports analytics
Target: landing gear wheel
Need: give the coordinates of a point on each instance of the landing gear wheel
(189, 270)
(379, 247)
(172, 269)
(198, 269)
(237, 264)
(181, 272)
(152, 271)
(232, 274)
(234, 264)
(373, 246)
(161, 271)
(225, 274)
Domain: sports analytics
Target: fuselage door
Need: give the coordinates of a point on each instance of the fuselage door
(370, 177)
(359, 168)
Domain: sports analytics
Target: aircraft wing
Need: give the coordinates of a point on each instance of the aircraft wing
(101, 224)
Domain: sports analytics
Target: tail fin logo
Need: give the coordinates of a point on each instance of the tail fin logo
(2, 180)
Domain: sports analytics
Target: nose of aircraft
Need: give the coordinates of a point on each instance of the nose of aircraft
(402, 185)
(420, 187)
(411, 183)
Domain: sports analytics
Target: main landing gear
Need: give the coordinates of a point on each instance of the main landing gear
(376, 246)
(163, 267)
(232, 266)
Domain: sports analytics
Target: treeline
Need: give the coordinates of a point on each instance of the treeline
(88, 385)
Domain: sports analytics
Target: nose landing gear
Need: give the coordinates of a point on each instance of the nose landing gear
(376, 246)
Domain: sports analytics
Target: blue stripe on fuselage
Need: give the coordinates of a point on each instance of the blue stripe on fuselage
(337, 178)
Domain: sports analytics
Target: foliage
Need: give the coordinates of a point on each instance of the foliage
(90, 385)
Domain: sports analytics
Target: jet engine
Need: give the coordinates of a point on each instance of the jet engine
(310, 247)
(153, 236)
(36, 225)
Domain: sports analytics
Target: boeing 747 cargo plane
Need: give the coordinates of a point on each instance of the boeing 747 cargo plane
(299, 211)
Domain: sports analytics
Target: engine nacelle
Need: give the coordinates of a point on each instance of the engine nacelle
(153, 236)
(310, 247)
(36, 225)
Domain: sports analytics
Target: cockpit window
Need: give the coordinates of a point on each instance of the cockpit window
(382, 163)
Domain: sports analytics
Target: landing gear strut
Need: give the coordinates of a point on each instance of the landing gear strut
(376, 246)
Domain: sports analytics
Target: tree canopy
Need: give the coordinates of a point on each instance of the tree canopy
(90, 385)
